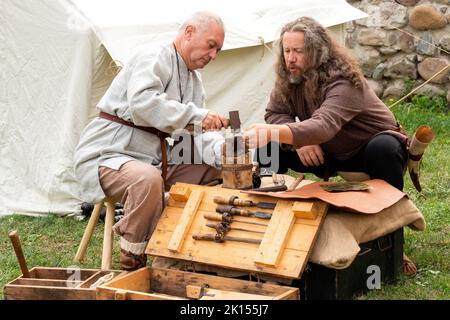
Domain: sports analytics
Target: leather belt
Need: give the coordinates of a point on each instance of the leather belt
(160, 134)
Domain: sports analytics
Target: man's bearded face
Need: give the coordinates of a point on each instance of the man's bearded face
(293, 51)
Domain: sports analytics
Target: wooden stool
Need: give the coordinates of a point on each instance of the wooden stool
(107, 236)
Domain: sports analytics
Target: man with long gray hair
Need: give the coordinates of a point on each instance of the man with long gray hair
(343, 127)
(123, 153)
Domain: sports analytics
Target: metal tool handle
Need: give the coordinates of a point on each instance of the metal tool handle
(19, 253)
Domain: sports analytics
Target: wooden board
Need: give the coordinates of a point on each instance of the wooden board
(168, 284)
(286, 244)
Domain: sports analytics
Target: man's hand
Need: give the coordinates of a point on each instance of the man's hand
(311, 155)
(214, 121)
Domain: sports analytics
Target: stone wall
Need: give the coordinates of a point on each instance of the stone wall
(402, 42)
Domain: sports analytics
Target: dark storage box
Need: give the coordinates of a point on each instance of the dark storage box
(319, 282)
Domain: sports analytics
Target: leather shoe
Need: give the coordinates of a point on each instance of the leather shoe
(131, 262)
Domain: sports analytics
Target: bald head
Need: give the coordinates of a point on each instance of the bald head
(202, 20)
(200, 39)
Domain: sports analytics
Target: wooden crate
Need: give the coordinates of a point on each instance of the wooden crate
(285, 243)
(169, 284)
(56, 284)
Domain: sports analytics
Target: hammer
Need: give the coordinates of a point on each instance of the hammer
(19, 253)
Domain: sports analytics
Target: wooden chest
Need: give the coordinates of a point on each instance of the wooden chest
(278, 246)
(169, 284)
(58, 284)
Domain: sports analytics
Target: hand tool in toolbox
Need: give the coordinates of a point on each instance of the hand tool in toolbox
(229, 219)
(242, 212)
(225, 227)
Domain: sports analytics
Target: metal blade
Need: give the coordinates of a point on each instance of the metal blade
(266, 205)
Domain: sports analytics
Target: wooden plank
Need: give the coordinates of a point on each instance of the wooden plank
(186, 219)
(138, 281)
(120, 295)
(277, 233)
(60, 273)
(292, 294)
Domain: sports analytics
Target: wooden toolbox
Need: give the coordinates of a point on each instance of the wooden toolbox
(279, 248)
(58, 284)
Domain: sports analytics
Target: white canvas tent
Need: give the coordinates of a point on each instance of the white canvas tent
(55, 62)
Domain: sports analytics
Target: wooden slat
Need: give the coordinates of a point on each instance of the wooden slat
(277, 233)
(60, 273)
(186, 219)
(235, 255)
(292, 294)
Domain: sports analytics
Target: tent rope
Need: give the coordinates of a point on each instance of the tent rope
(427, 81)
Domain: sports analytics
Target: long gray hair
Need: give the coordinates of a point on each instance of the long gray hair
(325, 61)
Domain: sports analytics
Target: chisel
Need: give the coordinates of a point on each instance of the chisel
(235, 201)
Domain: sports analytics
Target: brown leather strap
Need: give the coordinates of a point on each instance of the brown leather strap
(160, 134)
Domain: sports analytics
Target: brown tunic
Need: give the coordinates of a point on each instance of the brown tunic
(346, 120)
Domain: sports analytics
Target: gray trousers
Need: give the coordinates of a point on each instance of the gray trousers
(139, 187)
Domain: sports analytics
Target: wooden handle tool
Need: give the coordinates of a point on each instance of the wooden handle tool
(235, 201)
(212, 237)
(242, 212)
(19, 253)
(217, 217)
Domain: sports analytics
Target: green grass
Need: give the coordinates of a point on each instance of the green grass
(52, 241)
